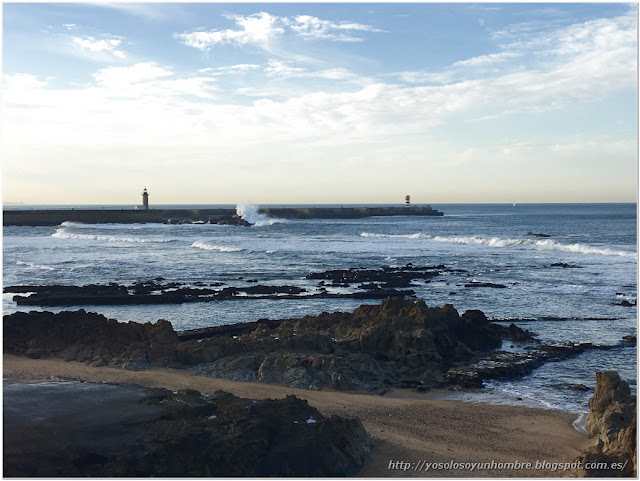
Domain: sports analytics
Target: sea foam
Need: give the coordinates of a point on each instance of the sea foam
(210, 247)
(35, 266)
(249, 212)
(542, 244)
(62, 233)
(417, 235)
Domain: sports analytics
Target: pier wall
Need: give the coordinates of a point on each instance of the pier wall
(130, 216)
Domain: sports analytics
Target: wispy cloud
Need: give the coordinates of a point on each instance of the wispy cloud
(310, 27)
(91, 45)
(260, 28)
(162, 111)
(230, 69)
(257, 29)
(490, 59)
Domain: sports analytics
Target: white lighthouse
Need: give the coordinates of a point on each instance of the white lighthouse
(145, 199)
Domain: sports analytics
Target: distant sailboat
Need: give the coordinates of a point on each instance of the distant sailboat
(514, 203)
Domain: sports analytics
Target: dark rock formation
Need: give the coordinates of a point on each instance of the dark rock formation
(90, 337)
(612, 421)
(562, 264)
(399, 342)
(386, 276)
(485, 284)
(151, 292)
(626, 303)
(509, 365)
(186, 434)
(532, 234)
(230, 436)
(230, 220)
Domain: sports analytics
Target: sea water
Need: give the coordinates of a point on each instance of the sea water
(490, 242)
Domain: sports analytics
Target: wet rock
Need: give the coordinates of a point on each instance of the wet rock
(389, 277)
(631, 339)
(510, 365)
(562, 264)
(230, 220)
(626, 303)
(485, 284)
(532, 234)
(173, 293)
(579, 387)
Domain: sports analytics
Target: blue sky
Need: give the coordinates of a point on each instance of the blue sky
(304, 103)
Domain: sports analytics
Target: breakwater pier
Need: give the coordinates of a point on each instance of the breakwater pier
(36, 217)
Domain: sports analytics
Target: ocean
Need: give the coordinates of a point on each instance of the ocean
(578, 302)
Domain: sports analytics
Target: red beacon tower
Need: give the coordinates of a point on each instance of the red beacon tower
(407, 200)
(145, 199)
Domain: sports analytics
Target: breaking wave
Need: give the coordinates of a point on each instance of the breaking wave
(249, 212)
(543, 244)
(61, 233)
(36, 266)
(417, 235)
(476, 240)
(582, 249)
(209, 247)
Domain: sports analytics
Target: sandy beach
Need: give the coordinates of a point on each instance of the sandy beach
(408, 427)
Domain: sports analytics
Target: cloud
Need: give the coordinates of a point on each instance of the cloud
(310, 27)
(93, 46)
(258, 28)
(119, 76)
(277, 68)
(153, 108)
(230, 69)
(261, 28)
(489, 59)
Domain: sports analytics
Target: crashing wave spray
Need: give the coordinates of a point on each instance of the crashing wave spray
(249, 212)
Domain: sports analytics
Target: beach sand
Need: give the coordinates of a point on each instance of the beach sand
(408, 427)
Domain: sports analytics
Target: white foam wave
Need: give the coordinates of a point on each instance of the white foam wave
(417, 235)
(582, 248)
(543, 244)
(36, 266)
(249, 212)
(210, 247)
(61, 233)
(477, 240)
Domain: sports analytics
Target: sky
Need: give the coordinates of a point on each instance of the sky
(319, 103)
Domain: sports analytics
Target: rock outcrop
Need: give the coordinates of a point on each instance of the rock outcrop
(398, 343)
(185, 434)
(151, 292)
(612, 421)
(89, 337)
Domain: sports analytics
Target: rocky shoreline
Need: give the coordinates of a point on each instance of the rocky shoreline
(399, 343)
(354, 283)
